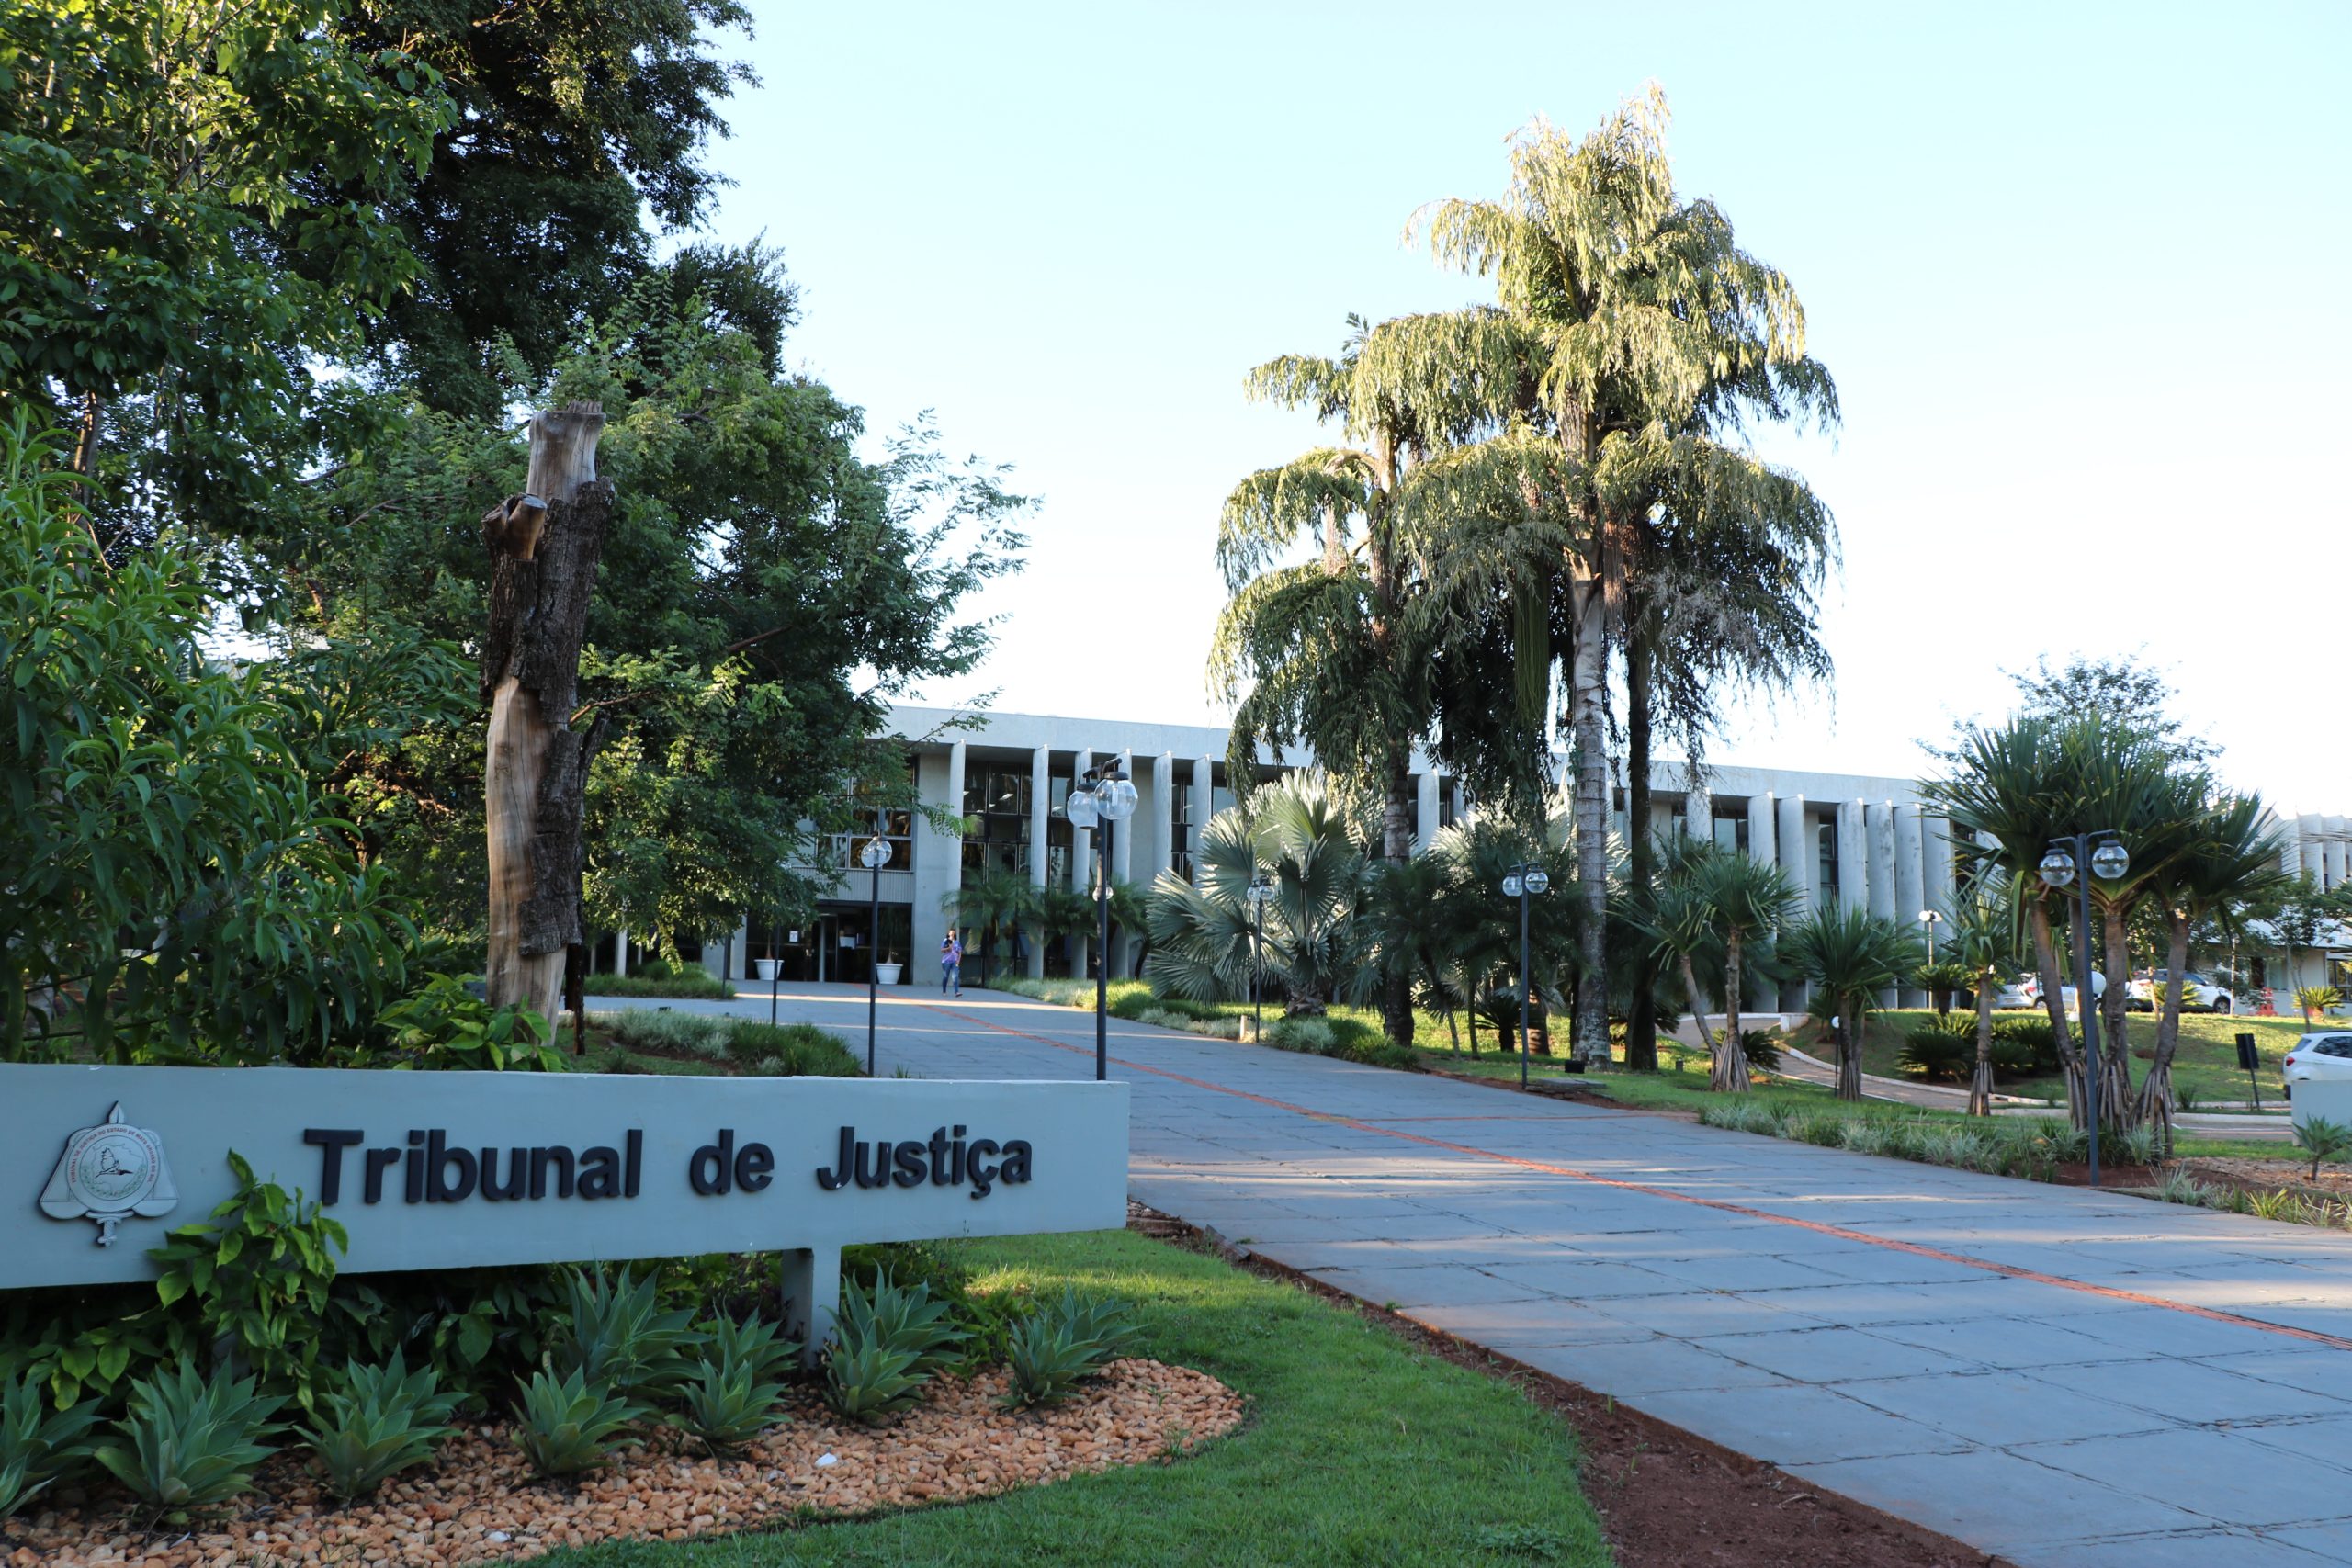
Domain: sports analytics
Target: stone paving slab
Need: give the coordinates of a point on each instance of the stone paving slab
(1856, 1320)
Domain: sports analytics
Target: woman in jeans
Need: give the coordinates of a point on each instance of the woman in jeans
(951, 965)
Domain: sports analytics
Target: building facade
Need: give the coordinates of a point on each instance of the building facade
(1842, 837)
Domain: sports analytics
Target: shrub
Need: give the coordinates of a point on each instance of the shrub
(38, 1444)
(903, 1317)
(730, 1397)
(189, 1441)
(867, 1380)
(1865, 1135)
(2179, 1187)
(618, 1333)
(567, 1424)
(1303, 1033)
(443, 1025)
(647, 1029)
(380, 1421)
(1935, 1052)
(1052, 1352)
(791, 1051)
(692, 982)
(2322, 1140)
(1762, 1048)
(2033, 1044)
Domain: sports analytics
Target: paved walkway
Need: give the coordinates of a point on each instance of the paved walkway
(2059, 1376)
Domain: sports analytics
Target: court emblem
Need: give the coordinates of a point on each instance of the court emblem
(109, 1173)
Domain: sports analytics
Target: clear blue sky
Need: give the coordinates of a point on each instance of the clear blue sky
(2080, 273)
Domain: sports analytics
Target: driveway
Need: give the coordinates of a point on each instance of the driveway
(2059, 1376)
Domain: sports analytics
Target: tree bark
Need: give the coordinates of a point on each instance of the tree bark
(2154, 1106)
(1980, 1088)
(1588, 727)
(1641, 869)
(2045, 961)
(2115, 1013)
(543, 547)
(1850, 1051)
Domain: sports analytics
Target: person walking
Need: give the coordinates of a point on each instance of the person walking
(950, 965)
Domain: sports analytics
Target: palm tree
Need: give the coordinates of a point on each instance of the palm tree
(2230, 856)
(1984, 942)
(1747, 902)
(990, 904)
(1850, 955)
(1682, 933)
(1653, 340)
(1295, 832)
(1412, 920)
(1324, 652)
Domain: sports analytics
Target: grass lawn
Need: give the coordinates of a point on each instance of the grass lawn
(2206, 1064)
(1359, 1449)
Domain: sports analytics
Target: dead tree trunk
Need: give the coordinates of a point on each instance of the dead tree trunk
(543, 547)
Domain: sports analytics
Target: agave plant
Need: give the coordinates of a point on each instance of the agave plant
(378, 1422)
(567, 1424)
(189, 1441)
(617, 1332)
(1051, 1352)
(39, 1445)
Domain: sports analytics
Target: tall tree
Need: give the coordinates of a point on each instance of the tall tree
(1987, 941)
(1656, 340)
(1850, 955)
(1322, 650)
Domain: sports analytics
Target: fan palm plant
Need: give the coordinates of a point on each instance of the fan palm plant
(1986, 941)
(1747, 902)
(992, 904)
(1850, 955)
(2228, 856)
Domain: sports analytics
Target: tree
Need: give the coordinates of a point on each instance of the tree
(1717, 907)
(160, 160)
(2227, 855)
(991, 903)
(2128, 695)
(1295, 831)
(1850, 955)
(172, 886)
(1654, 340)
(1984, 942)
(1324, 651)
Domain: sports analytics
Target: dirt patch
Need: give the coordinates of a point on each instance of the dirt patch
(2266, 1176)
(479, 1504)
(1667, 1498)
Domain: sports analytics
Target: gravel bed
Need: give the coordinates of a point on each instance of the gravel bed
(479, 1504)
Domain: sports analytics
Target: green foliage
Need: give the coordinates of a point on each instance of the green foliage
(2317, 999)
(1071, 1340)
(619, 1334)
(690, 984)
(189, 1441)
(154, 807)
(257, 1274)
(791, 1051)
(375, 1422)
(1944, 1046)
(443, 1025)
(1762, 1048)
(732, 1395)
(2322, 1140)
(906, 1317)
(39, 1444)
(567, 1424)
(867, 1380)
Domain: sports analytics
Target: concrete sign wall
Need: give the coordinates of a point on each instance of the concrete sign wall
(442, 1171)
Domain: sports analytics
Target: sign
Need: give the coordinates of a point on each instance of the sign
(2249, 1060)
(455, 1170)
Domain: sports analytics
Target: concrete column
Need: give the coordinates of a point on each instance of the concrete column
(2311, 828)
(1203, 797)
(1936, 846)
(1698, 813)
(2290, 843)
(1792, 842)
(1853, 856)
(1163, 814)
(2332, 854)
(1425, 811)
(1794, 845)
(1763, 840)
(1041, 795)
(620, 951)
(1878, 833)
(1082, 869)
(1911, 879)
(742, 963)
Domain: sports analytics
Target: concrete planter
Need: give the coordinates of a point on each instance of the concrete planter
(888, 973)
(767, 969)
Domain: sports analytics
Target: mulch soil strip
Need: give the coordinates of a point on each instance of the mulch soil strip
(2260, 1178)
(1667, 1498)
(480, 1504)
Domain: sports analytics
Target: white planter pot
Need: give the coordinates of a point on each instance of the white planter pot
(767, 969)
(888, 973)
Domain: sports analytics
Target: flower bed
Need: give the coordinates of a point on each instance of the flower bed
(480, 1504)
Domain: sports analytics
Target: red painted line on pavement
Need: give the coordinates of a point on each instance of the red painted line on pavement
(1911, 1247)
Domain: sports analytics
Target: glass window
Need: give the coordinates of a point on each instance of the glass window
(895, 827)
(1731, 832)
(1826, 882)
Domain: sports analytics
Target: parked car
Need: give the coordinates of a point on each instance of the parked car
(2202, 995)
(2325, 1055)
(2031, 988)
(2014, 994)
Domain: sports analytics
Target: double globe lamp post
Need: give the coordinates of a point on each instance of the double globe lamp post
(1103, 794)
(874, 857)
(2103, 853)
(1522, 882)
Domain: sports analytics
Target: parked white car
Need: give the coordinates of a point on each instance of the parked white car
(2322, 1056)
(2031, 988)
(2202, 995)
(2014, 994)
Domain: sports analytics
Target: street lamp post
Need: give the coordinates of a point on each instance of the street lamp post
(876, 855)
(1260, 892)
(1109, 797)
(2107, 861)
(1931, 918)
(1521, 882)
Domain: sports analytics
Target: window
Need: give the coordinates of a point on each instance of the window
(896, 827)
(1180, 823)
(996, 822)
(1731, 832)
(1826, 880)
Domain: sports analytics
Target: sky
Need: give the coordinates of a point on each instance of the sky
(2079, 272)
